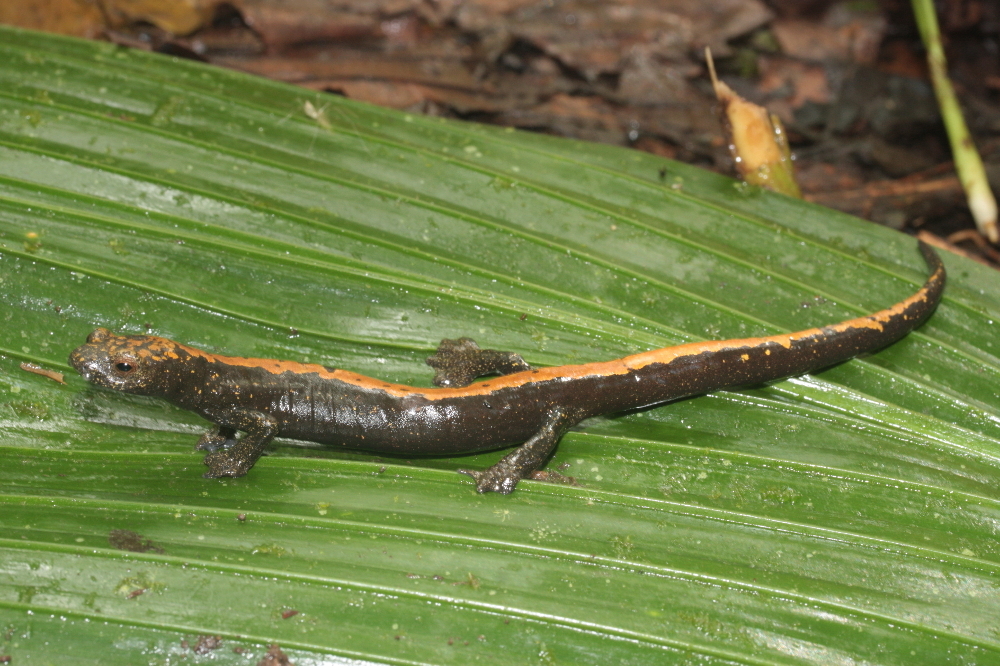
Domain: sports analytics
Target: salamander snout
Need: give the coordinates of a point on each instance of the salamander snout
(82, 365)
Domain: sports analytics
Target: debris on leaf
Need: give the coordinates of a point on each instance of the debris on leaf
(275, 657)
(319, 115)
(39, 370)
(206, 644)
(132, 541)
(32, 242)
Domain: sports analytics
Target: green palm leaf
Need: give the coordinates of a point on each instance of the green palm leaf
(845, 517)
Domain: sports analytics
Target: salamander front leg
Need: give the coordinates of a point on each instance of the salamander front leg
(459, 362)
(217, 438)
(237, 460)
(525, 459)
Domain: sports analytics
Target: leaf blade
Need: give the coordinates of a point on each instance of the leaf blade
(848, 515)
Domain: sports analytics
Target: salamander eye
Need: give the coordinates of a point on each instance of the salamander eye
(124, 367)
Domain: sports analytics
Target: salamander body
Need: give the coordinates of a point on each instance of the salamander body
(529, 406)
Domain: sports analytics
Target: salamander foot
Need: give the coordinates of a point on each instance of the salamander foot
(499, 478)
(524, 461)
(236, 456)
(224, 463)
(459, 362)
(503, 479)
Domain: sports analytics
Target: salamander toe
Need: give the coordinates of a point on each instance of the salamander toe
(499, 478)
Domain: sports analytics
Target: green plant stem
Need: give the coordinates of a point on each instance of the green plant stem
(982, 203)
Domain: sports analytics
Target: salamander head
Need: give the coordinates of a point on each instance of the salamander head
(141, 364)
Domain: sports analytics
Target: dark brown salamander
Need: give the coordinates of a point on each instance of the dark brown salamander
(266, 398)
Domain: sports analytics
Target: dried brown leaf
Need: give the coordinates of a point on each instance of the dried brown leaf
(179, 17)
(82, 18)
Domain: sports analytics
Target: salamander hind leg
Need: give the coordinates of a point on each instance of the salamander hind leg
(237, 460)
(459, 362)
(525, 459)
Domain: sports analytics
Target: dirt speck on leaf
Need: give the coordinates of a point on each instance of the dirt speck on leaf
(132, 541)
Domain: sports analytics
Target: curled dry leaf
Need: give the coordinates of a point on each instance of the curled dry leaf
(757, 140)
(179, 17)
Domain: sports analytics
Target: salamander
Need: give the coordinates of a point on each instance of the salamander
(532, 407)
